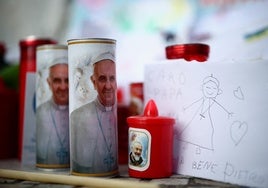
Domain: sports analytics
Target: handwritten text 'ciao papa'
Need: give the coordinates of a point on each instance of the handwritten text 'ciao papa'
(169, 84)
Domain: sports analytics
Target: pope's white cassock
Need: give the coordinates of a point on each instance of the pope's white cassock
(94, 139)
(52, 137)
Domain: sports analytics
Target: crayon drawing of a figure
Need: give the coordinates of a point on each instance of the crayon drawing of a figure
(199, 131)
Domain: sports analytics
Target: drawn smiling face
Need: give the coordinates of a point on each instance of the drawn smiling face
(210, 89)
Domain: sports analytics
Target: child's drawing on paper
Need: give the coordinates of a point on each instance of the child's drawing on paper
(199, 130)
(238, 130)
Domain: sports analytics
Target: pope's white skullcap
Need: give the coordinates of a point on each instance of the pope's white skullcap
(103, 56)
(59, 60)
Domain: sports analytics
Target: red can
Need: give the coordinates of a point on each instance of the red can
(150, 144)
(27, 88)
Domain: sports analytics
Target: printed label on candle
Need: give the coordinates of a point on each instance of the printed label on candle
(139, 149)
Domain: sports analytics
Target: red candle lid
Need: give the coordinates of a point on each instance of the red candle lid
(150, 117)
(189, 52)
(35, 41)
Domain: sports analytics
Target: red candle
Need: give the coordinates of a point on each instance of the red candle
(150, 144)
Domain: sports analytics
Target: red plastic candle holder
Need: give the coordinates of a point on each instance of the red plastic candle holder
(150, 144)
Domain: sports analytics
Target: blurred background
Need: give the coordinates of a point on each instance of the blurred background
(142, 28)
(234, 29)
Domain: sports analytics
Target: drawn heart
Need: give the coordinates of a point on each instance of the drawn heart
(238, 93)
(238, 131)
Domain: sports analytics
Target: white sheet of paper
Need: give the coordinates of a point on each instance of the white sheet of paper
(221, 112)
